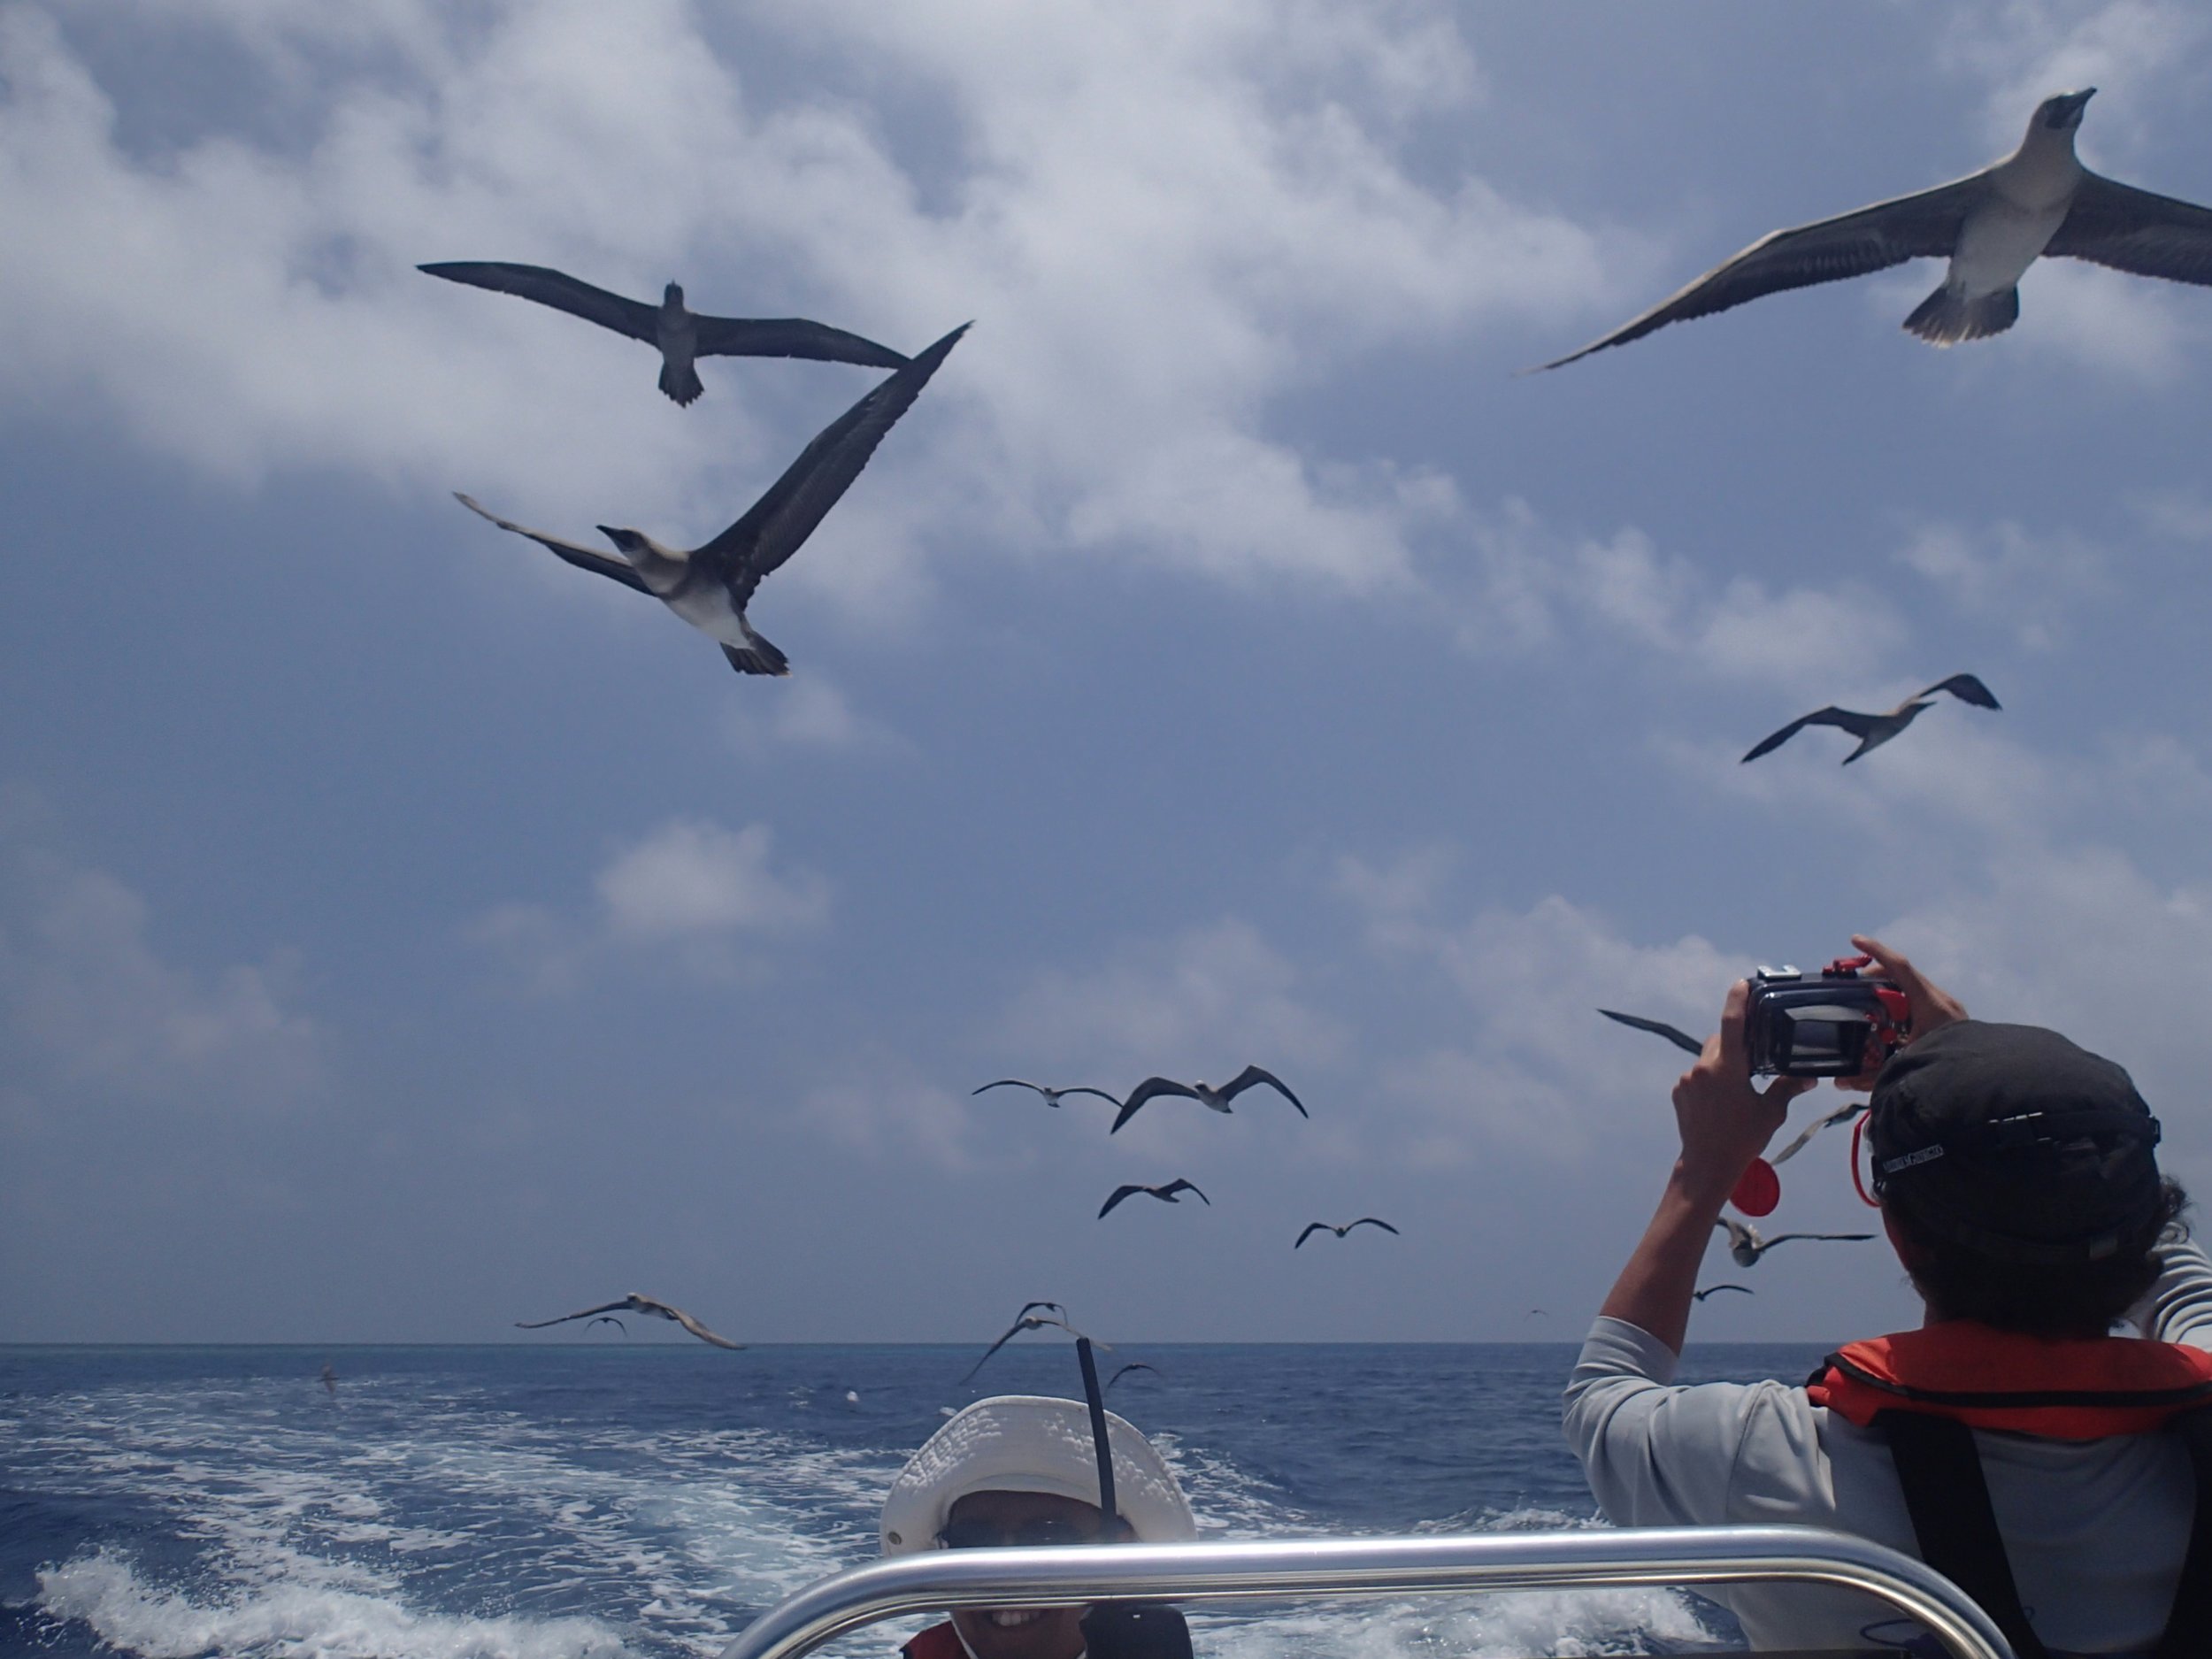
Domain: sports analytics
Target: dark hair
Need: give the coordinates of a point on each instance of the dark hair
(2072, 1300)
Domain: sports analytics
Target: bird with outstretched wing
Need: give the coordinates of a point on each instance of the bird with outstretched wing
(635, 1303)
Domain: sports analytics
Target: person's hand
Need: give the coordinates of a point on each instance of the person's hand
(1725, 1119)
(1932, 1006)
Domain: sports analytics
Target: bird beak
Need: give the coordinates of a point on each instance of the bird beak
(2071, 107)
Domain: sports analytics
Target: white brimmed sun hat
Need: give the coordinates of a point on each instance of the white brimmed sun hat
(1032, 1443)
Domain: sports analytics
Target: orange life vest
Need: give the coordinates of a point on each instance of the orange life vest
(2064, 1389)
(1925, 1391)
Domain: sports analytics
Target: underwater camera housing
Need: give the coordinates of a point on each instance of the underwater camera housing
(1837, 1023)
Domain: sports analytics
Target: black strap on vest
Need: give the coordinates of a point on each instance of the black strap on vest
(1947, 1497)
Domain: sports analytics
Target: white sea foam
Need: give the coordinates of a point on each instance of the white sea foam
(444, 1524)
(107, 1593)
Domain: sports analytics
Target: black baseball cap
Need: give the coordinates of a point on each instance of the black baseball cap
(2016, 1144)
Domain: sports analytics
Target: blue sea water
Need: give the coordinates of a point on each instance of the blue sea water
(609, 1497)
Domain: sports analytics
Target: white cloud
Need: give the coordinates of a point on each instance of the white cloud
(884, 1110)
(804, 712)
(2024, 51)
(1166, 217)
(90, 1008)
(2028, 582)
(690, 878)
(1528, 585)
(1202, 1004)
(690, 885)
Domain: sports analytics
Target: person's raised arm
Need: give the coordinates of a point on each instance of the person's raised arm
(1724, 1122)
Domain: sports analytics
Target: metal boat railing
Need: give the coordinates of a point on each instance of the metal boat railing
(1340, 1567)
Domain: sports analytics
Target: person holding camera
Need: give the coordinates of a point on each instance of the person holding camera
(1021, 1471)
(2062, 1475)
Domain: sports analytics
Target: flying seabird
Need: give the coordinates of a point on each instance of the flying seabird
(330, 1378)
(1168, 1192)
(1679, 1038)
(1746, 1245)
(608, 1318)
(1028, 1321)
(678, 334)
(1874, 730)
(1135, 1365)
(1700, 1295)
(1052, 1096)
(1313, 1227)
(1990, 225)
(1205, 1094)
(1842, 1114)
(635, 1303)
(710, 586)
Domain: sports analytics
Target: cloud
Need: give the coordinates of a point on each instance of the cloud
(804, 712)
(2024, 51)
(883, 1108)
(1201, 1004)
(689, 877)
(93, 1011)
(2027, 582)
(1529, 587)
(690, 885)
(1165, 217)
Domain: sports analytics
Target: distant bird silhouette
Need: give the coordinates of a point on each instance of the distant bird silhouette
(1135, 1365)
(1533, 1313)
(1205, 1094)
(678, 334)
(1874, 730)
(1674, 1034)
(1842, 1114)
(1990, 225)
(330, 1378)
(1028, 1321)
(635, 1303)
(1168, 1192)
(1700, 1295)
(608, 1318)
(1052, 1096)
(1313, 1227)
(1746, 1245)
(710, 586)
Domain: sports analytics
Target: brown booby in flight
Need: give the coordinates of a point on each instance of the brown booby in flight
(1874, 730)
(1842, 1114)
(1204, 1093)
(1169, 1194)
(1746, 1245)
(1135, 1365)
(1700, 1295)
(635, 1303)
(1674, 1034)
(1052, 1096)
(1027, 1321)
(1313, 1227)
(678, 334)
(1990, 225)
(710, 586)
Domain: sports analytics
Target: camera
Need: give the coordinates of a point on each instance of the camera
(1836, 1023)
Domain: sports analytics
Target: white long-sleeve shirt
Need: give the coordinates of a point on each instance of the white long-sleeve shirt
(2094, 1529)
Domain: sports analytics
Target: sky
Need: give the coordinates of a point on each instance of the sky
(1229, 658)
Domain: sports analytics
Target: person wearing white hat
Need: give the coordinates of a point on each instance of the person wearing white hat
(1022, 1469)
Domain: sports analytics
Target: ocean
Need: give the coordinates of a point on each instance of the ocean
(605, 1497)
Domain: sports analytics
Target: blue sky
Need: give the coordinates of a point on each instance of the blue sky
(1228, 659)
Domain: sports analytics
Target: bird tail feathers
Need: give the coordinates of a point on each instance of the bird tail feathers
(761, 658)
(685, 387)
(1946, 316)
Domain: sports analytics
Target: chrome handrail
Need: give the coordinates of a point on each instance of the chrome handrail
(1623, 1558)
